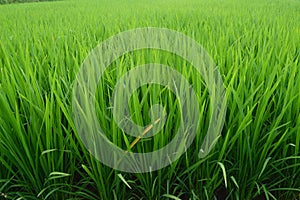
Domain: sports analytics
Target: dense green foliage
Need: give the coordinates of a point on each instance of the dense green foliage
(256, 47)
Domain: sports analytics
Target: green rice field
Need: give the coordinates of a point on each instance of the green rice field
(255, 45)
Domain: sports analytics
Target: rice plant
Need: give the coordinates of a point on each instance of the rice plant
(255, 46)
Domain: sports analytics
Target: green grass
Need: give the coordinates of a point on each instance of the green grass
(255, 46)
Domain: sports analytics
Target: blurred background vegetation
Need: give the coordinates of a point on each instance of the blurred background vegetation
(20, 1)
